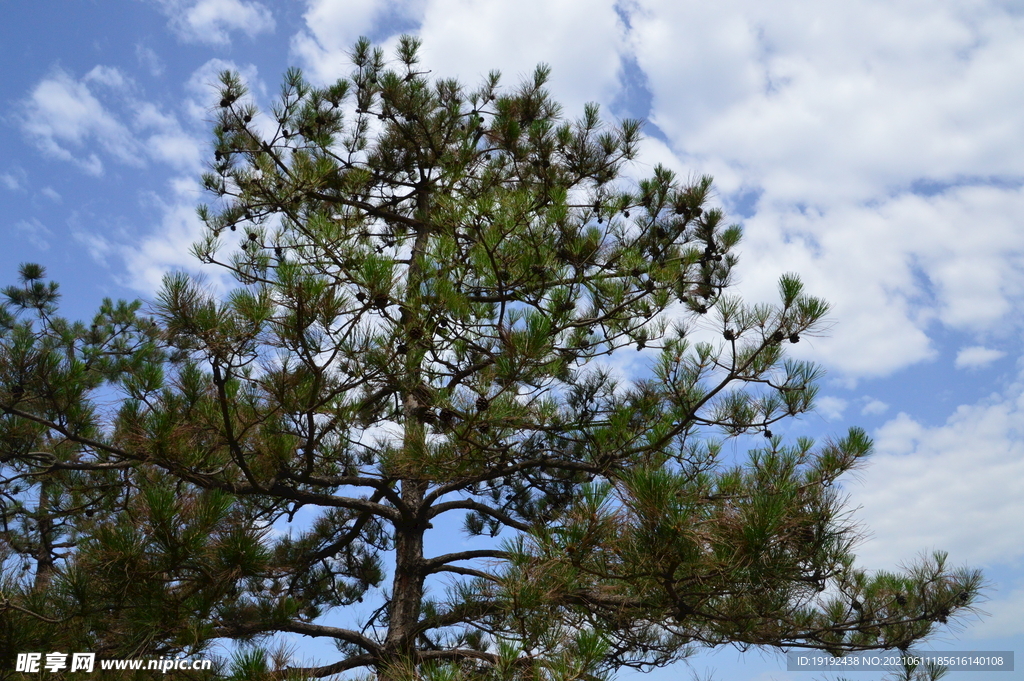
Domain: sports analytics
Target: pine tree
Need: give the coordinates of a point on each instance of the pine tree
(431, 281)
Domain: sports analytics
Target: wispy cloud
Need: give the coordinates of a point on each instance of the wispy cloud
(35, 232)
(64, 118)
(99, 117)
(51, 194)
(165, 139)
(140, 261)
(13, 181)
(957, 487)
(149, 60)
(977, 356)
(873, 407)
(873, 141)
(213, 21)
(831, 407)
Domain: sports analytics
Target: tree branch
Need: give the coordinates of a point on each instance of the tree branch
(468, 572)
(470, 505)
(209, 482)
(431, 564)
(353, 662)
(304, 628)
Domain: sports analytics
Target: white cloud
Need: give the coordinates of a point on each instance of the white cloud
(67, 119)
(108, 76)
(165, 248)
(957, 487)
(582, 41)
(149, 59)
(35, 232)
(165, 140)
(831, 408)
(51, 193)
(873, 407)
(874, 132)
(332, 27)
(836, 101)
(977, 356)
(99, 247)
(166, 245)
(13, 181)
(212, 21)
(837, 115)
(893, 267)
(62, 116)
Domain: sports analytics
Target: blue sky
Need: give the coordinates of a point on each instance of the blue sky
(875, 147)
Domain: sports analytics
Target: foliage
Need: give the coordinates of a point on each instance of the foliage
(432, 285)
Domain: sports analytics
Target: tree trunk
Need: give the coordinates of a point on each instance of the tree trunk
(407, 587)
(44, 552)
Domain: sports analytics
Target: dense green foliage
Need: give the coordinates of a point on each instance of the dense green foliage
(433, 284)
